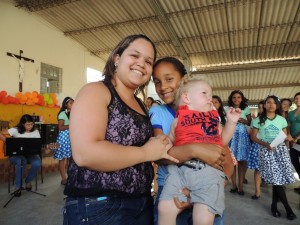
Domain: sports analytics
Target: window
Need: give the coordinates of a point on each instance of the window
(93, 75)
(51, 79)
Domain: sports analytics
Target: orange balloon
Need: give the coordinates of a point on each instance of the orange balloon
(22, 101)
(19, 95)
(35, 100)
(35, 94)
(24, 98)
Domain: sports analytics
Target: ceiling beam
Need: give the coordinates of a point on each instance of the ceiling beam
(165, 22)
(256, 87)
(250, 66)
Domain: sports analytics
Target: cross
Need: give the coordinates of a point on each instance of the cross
(21, 60)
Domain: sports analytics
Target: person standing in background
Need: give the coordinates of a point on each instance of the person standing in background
(285, 106)
(253, 159)
(240, 142)
(218, 104)
(294, 135)
(274, 162)
(63, 153)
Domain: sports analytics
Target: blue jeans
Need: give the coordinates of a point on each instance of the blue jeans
(184, 218)
(116, 211)
(20, 163)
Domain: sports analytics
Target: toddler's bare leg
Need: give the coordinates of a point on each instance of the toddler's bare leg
(167, 212)
(202, 216)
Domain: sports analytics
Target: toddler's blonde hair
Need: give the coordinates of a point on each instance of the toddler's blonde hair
(186, 82)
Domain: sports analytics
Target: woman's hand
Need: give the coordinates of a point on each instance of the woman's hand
(157, 148)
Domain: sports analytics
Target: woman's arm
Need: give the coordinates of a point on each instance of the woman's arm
(88, 124)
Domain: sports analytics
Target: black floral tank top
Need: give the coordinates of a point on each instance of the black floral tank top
(127, 127)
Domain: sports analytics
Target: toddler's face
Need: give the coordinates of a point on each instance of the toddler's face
(200, 97)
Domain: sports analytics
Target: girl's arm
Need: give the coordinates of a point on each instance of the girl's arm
(2, 137)
(61, 125)
(254, 132)
(88, 124)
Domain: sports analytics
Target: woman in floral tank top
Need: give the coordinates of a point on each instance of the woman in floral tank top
(110, 172)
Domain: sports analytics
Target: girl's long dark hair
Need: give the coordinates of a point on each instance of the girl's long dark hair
(21, 125)
(263, 116)
(243, 104)
(178, 65)
(64, 106)
(221, 110)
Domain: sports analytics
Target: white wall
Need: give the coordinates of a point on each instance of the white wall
(21, 30)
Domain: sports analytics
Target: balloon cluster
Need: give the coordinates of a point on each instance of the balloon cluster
(29, 98)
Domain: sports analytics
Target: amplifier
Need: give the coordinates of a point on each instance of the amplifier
(49, 133)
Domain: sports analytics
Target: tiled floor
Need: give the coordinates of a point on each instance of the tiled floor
(33, 209)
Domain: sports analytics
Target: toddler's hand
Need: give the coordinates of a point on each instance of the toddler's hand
(233, 114)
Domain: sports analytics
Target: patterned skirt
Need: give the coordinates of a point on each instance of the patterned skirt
(275, 166)
(240, 143)
(64, 150)
(253, 159)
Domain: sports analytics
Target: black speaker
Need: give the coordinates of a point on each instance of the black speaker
(49, 133)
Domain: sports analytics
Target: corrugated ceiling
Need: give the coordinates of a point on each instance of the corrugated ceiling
(251, 45)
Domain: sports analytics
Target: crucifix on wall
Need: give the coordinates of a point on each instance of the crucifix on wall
(21, 59)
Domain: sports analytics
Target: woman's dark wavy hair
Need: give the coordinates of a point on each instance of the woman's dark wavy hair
(21, 125)
(244, 99)
(178, 65)
(109, 68)
(263, 115)
(64, 106)
(221, 110)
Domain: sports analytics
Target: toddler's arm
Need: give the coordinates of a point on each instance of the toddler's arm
(232, 116)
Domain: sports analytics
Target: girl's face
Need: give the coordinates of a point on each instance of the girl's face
(297, 100)
(28, 126)
(166, 79)
(285, 105)
(270, 105)
(237, 99)
(260, 108)
(69, 104)
(135, 64)
(216, 103)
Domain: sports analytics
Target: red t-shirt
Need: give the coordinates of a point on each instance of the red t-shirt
(197, 127)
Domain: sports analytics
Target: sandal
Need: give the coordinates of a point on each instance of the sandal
(254, 197)
(241, 193)
(233, 190)
(17, 192)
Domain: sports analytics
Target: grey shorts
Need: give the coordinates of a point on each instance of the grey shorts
(206, 186)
